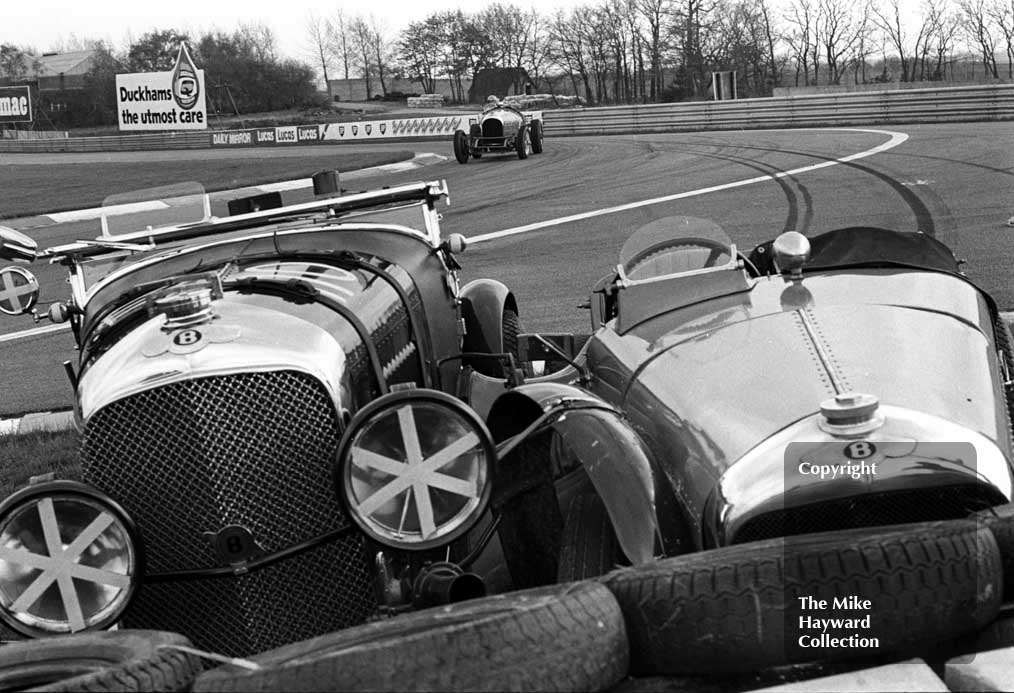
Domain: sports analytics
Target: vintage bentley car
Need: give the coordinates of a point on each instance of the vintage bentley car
(500, 128)
(850, 380)
(276, 435)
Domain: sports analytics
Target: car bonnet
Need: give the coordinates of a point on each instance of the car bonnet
(732, 379)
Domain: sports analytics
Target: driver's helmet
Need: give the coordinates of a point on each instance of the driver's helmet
(492, 101)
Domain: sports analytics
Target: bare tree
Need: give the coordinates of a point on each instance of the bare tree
(887, 18)
(692, 18)
(655, 13)
(841, 27)
(1002, 13)
(977, 26)
(538, 58)
(340, 37)
(770, 38)
(379, 49)
(864, 45)
(317, 34)
(567, 49)
(944, 26)
(804, 39)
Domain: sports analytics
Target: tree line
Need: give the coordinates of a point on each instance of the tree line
(627, 51)
(606, 51)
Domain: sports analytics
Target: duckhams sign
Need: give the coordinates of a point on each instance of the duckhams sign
(163, 100)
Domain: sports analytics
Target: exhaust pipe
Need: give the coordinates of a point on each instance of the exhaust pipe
(446, 583)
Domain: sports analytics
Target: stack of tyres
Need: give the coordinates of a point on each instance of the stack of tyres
(935, 586)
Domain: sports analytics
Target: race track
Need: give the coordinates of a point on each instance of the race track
(952, 181)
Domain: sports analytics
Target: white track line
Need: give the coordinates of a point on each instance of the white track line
(33, 332)
(896, 138)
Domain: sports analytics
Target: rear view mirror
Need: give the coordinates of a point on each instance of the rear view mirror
(15, 245)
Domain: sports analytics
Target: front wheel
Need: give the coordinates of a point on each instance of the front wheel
(588, 547)
(523, 142)
(461, 147)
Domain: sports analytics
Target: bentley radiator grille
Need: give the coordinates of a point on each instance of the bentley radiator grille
(287, 601)
(251, 449)
(875, 509)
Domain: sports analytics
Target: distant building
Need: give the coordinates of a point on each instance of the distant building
(61, 71)
(499, 81)
(355, 89)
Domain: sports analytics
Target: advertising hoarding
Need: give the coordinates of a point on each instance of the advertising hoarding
(163, 100)
(15, 105)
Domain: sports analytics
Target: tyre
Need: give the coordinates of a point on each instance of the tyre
(997, 635)
(531, 522)
(536, 137)
(562, 638)
(1000, 521)
(121, 660)
(523, 142)
(739, 609)
(510, 327)
(461, 147)
(588, 547)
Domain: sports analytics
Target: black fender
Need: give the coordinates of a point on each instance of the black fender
(482, 306)
(612, 454)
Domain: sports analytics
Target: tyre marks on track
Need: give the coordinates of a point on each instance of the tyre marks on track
(894, 139)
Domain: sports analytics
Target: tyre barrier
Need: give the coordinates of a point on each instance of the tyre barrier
(736, 609)
(558, 638)
(1000, 521)
(119, 660)
(706, 618)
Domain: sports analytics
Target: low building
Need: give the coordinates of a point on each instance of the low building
(61, 71)
(355, 89)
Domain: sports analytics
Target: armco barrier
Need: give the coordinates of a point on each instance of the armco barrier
(956, 104)
(111, 143)
(993, 102)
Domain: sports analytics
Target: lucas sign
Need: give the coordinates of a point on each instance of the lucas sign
(163, 100)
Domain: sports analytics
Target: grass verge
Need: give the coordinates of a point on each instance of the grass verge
(28, 189)
(30, 454)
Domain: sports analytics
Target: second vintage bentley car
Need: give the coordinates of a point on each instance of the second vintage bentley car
(500, 128)
(851, 380)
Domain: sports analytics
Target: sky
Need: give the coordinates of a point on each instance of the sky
(22, 23)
